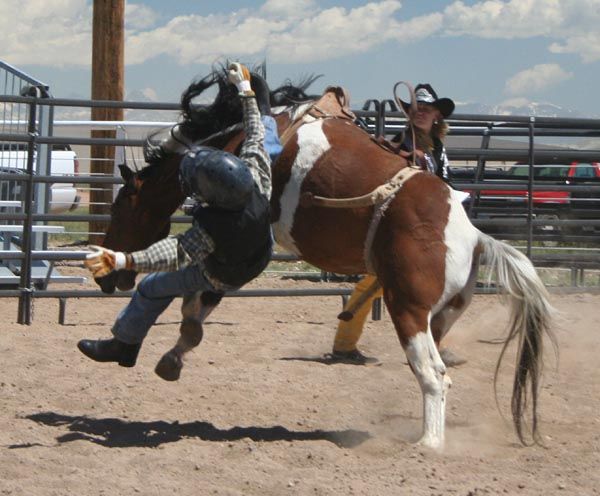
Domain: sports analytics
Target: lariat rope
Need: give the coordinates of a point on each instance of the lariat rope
(413, 108)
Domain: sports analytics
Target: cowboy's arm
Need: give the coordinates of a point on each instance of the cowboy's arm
(174, 252)
(161, 256)
(167, 255)
(253, 151)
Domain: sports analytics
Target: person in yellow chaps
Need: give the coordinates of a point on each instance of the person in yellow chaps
(427, 122)
(350, 329)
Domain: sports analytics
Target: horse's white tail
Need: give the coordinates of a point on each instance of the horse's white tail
(530, 319)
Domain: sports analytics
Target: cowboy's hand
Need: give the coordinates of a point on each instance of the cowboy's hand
(103, 261)
(239, 75)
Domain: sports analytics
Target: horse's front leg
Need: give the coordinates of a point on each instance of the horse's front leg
(195, 309)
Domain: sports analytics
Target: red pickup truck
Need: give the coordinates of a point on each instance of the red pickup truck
(543, 174)
(502, 203)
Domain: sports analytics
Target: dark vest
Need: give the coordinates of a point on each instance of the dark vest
(243, 241)
(405, 138)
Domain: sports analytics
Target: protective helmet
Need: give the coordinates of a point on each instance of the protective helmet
(215, 177)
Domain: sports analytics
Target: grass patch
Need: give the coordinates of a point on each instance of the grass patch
(299, 266)
(76, 230)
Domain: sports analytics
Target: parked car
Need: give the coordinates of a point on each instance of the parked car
(584, 204)
(63, 196)
(547, 204)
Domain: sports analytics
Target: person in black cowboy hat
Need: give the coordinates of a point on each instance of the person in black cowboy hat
(430, 129)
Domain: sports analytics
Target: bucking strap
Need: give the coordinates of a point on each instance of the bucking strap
(376, 196)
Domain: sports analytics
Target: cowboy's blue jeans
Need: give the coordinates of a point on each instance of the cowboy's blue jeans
(153, 295)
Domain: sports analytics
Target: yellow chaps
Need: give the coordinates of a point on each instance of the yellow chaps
(348, 333)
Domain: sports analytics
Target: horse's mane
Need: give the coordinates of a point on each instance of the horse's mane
(219, 118)
(202, 120)
(290, 93)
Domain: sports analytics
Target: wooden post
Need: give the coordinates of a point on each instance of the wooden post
(108, 41)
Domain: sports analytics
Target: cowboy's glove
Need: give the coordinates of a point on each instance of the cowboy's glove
(103, 261)
(239, 75)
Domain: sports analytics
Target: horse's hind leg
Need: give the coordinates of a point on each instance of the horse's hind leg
(195, 309)
(412, 322)
(444, 319)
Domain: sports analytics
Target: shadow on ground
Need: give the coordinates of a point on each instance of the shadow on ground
(117, 433)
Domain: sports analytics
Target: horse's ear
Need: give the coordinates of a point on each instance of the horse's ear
(126, 172)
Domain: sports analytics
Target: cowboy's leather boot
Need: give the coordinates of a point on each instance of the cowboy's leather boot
(110, 350)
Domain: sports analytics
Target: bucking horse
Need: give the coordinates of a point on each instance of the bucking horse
(347, 205)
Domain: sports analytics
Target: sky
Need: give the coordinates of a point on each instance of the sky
(491, 52)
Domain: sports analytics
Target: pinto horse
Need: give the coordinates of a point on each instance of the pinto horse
(417, 239)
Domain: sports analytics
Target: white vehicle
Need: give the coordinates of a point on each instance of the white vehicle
(63, 196)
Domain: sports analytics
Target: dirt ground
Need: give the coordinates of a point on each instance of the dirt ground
(257, 412)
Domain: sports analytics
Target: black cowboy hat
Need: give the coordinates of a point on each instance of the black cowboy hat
(424, 93)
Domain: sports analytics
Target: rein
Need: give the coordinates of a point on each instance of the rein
(179, 138)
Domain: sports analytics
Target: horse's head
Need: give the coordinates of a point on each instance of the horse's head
(140, 214)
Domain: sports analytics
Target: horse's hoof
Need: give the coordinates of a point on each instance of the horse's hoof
(169, 367)
(430, 442)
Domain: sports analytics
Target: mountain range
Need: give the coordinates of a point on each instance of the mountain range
(512, 107)
(537, 109)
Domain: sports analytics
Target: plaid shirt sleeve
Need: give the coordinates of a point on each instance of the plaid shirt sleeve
(162, 256)
(174, 252)
(253, 151)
